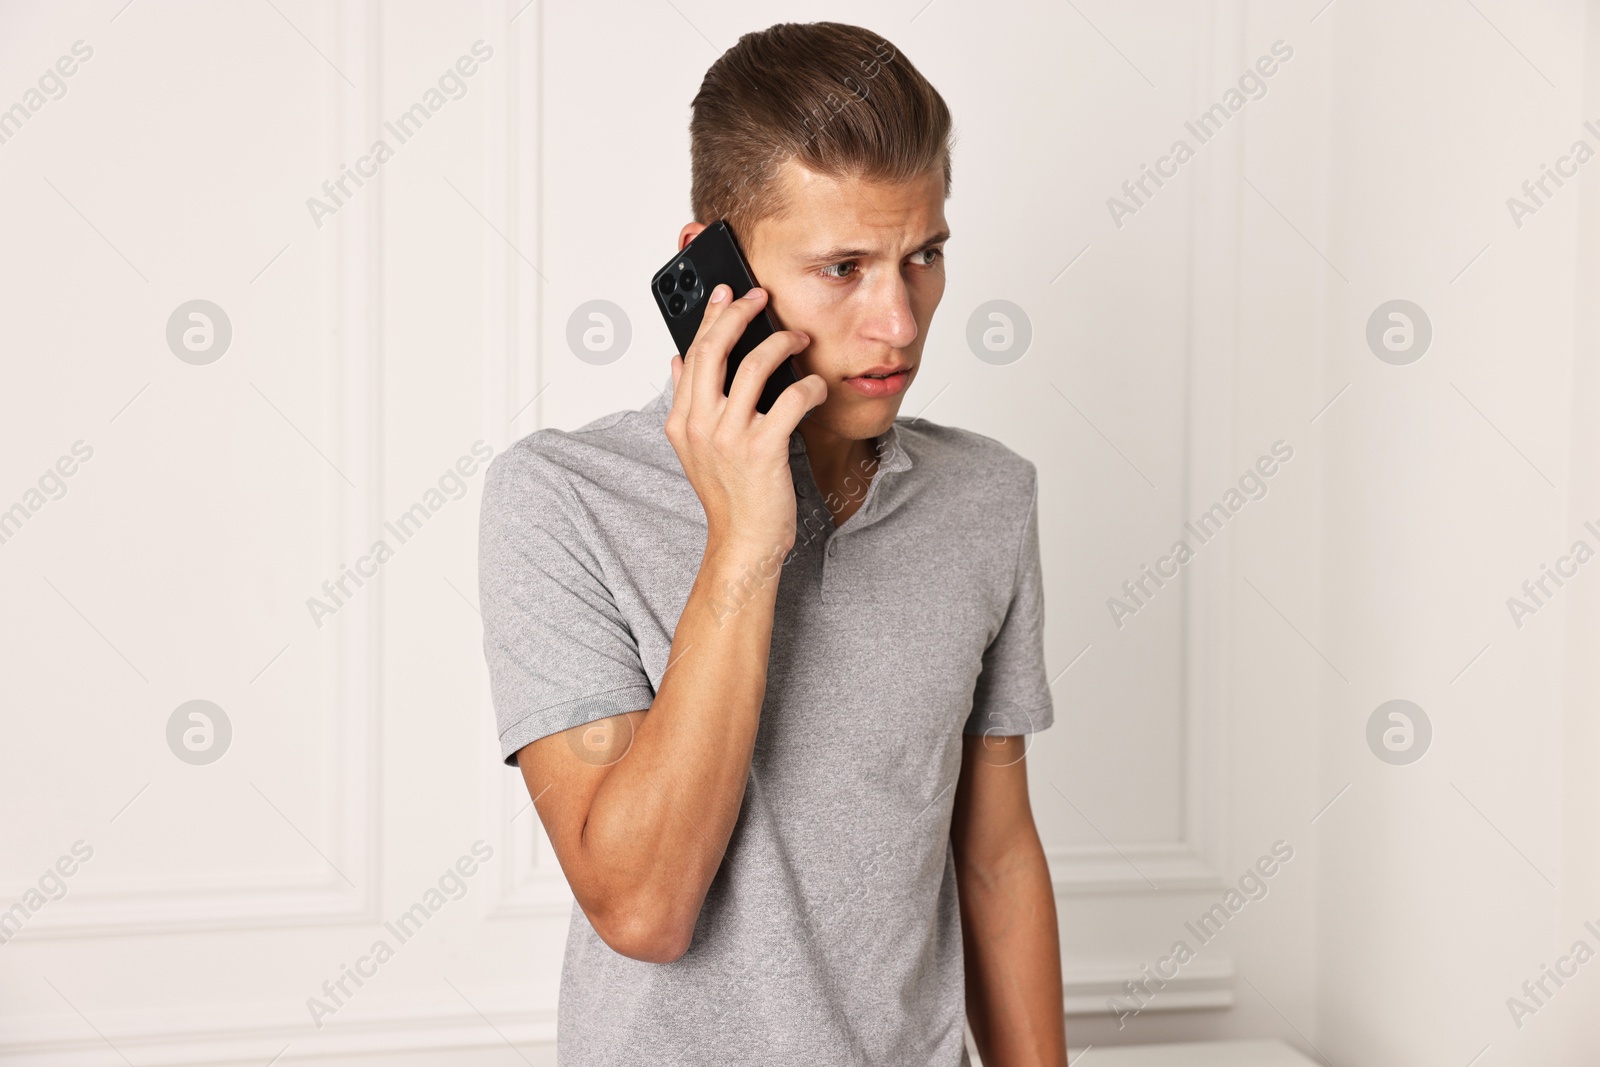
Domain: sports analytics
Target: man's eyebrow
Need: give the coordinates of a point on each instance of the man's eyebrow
(834, 255)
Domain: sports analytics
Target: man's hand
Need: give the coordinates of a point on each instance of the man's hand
(737, 459)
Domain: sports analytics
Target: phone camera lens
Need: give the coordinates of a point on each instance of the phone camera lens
(686, 281)
(666, 284)
(675, 303)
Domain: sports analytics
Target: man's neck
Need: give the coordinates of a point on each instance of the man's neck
(842, 467)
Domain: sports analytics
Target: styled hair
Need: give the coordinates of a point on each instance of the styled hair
(839, 99)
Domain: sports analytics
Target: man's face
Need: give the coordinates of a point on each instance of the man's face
(859, 267)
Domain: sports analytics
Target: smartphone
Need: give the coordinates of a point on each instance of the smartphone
(683, 287)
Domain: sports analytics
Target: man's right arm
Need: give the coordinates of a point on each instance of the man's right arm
(640, 807)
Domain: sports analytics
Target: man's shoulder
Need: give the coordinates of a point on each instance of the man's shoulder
(965, 459)
(603, 448)
(552, 467)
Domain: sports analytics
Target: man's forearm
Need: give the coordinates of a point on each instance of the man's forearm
(1013, 959)
(660, 822)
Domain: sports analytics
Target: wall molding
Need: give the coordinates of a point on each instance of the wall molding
(351, 259)
(256, 1033)
(1206, 983)
(1197, 860)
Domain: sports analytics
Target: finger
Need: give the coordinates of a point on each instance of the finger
(711, 348)
(714, 308)
(754, 370)
(681, 377)
(683, 393)
(791, 406)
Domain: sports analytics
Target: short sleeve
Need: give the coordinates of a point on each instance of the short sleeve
(559, 652)
(1012, 695)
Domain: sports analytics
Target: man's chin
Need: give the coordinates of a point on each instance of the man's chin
(863, 422)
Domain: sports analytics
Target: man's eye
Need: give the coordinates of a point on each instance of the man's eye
(828, 270)
(933, 254)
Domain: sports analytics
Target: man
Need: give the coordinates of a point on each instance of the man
(768, 677)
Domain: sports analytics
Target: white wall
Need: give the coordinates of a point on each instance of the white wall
(1169, 352)
(1449, 482)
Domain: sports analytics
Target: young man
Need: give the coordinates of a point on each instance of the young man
(768, 677)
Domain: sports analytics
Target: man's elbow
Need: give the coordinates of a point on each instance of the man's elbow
(643, 935)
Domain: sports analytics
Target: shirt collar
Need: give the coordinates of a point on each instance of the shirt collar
(892, 454)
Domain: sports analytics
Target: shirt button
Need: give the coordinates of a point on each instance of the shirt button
(833, 548)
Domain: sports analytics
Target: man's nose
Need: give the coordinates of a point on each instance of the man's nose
(891, 319)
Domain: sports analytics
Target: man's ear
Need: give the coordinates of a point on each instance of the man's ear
(689, 233)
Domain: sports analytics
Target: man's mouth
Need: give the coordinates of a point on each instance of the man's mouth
(880, 381)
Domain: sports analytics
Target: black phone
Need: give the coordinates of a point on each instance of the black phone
(683, 287)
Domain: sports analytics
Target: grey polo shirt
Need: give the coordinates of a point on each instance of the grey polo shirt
(830, 934)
